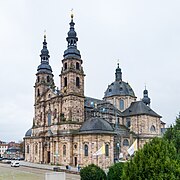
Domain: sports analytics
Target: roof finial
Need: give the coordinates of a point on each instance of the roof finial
(45, 35)
(118, 73)
(118, 63)
(72, 39)
(72, 14)
(146, 99)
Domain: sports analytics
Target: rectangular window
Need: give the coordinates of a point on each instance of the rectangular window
(121, 104)
(107, 150)
(128, 122)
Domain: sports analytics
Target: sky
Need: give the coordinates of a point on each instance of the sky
(143, 35)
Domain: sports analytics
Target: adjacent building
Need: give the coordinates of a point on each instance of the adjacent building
(3, 148)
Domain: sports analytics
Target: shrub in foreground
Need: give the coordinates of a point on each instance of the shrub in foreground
(92, 172)
(115, 171)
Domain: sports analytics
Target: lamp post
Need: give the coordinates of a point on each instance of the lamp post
(118, 148)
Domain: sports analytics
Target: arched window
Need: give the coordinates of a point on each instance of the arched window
(121, 104)
(36, 149)
(152, 129)
(125, 142)
(118, 120)
(48, 79)
(128, 122)
(77, 81)
(65, 82)
(65, 66)
(85, 150)
(55, 113)
(49, 119)
(38, 92)
(38, 79)
(77, 65)
(107, 150)
(64, 150)
(28, 149)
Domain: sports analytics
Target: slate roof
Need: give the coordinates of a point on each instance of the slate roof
(122, 130)
(89, 102)
(44, 68)
(119, 88)
(96, 125)
(28, 133)
(139, 108)
(102, 106)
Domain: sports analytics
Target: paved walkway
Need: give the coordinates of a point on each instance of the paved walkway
(49, 167)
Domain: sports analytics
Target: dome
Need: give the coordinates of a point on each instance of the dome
(119, 88)
(44, 51)
(44, 67)
(72, 33)
(72, 52)
(145, 91)
(28, 133)
(96, 124)
(146, 99)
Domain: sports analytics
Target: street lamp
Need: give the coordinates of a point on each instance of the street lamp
(118, 148)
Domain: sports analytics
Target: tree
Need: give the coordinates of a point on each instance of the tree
(92, 172)
(173, 135)
(156, 160)
(115, 171)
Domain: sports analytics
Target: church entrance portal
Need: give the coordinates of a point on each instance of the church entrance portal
(48, 157)
(75, 161)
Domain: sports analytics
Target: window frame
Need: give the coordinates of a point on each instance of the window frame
(64, 150)
(86, 149)
(106, 150)
(125, 142)
(77, 82)
(121, 104)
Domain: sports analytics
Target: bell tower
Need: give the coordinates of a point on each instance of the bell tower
(72, 79)
(44, 81)
(44, 76)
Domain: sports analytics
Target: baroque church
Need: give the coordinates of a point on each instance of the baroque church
(69, 128)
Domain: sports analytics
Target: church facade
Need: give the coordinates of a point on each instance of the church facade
(69, 128)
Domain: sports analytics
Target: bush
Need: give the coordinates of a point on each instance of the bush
(115, 171)
(156, 160)
(92, 172)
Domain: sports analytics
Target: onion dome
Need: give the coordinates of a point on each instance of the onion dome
(44, 67)
(146, 99)
(72, 51)
(119, 87)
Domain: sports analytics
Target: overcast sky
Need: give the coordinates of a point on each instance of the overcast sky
(143, 35)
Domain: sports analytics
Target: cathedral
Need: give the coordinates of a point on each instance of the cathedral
(69, 128)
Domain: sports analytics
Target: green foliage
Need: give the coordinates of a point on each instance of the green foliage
(115, 171)
(92, 172)
(173, 135)
(156, 160)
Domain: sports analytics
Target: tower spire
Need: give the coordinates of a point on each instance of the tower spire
(44, 66)
(146, 99)
(118, 73)
(72, 51)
